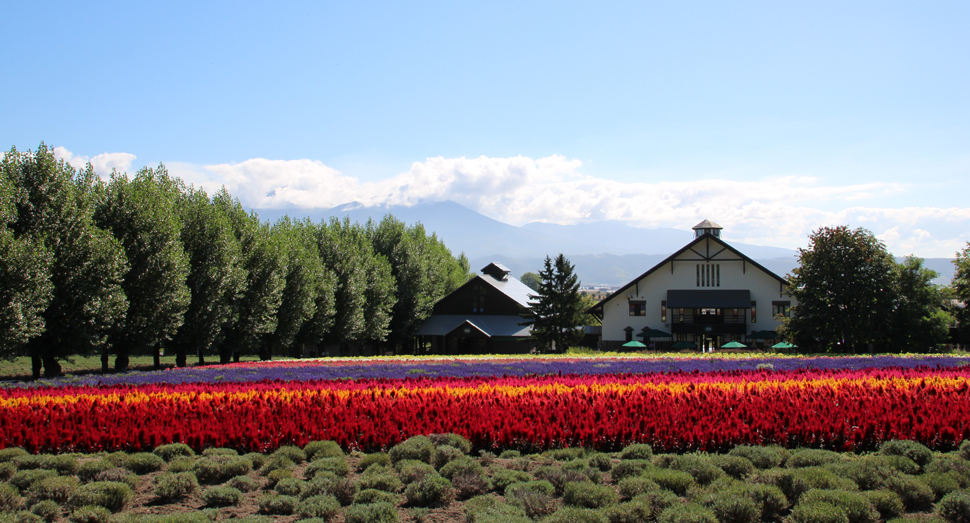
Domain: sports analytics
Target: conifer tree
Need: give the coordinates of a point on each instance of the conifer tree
(556, 310)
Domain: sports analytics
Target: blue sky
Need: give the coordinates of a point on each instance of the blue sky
(772, 118)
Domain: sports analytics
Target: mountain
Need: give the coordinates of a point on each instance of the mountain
(607, 252)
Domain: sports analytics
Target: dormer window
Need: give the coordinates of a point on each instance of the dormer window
(707, 227)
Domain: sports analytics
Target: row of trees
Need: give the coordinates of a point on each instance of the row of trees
(141, 264)
(853, 296)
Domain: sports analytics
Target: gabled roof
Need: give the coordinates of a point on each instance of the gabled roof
(673, 256)
(511, 287)
(490, 326)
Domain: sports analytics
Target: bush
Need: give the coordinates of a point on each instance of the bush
(380, 478)
(812, 458)
(503, 477)
(698, 466)
(543, 486)
(90, 514)
(416, 447)
(452, 440)
(294, 453)
(25, 478)
(278, 475)
(632, 487)
(631, 467)
(143, 463)
(735, 466)
(673, 480)
(687, 513)
(119, 475)
(11, 453)
(7, 470)
(559, 477)
(371, 513)
(377, 458)
(637, 451)
(868, 473)
(181, 464)
(64, 464)
(760, 457)
(443, 455)
(886, 502)
(955, 507)
(589, 495)
(20, 517)
(221, 496)
(276, 463)
(290, 487)
(510, 454)
(315, 450)
(112, 495)
(600, 461)
(48, 510)
(942, 483)
(341, 488)
(56, 488)
(567, 454)
(323, 507)
(259, 460)
(411, 470)
(277, 504)
(87, 471)
(469, 485)
(857, 507)
(173, 450)
(819, 512)
(795, 482)
(461, 466)
(964, 451)
(375, 496)
(916, 495)
(735, 509)
(630, 512)
(219, 451)
(243, 483)
(432, 490)
(910, 449)
(10, 499)
(170, 487)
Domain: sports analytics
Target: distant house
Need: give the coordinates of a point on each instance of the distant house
(481, 317)
(707, 293)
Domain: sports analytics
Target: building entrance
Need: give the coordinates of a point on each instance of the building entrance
(708, 342)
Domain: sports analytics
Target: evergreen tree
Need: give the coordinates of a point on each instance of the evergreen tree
(845, 287)
(142, 214)
(54, 208)
(556, 311)
(920, 322)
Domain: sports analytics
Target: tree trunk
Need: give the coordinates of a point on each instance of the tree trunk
(51, 367)
(121, 361)
(180, 356)
(36, 366)
(104, 361)
(156, 352)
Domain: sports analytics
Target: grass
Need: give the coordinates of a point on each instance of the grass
(19, 368)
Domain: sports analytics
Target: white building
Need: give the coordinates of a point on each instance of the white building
(707, 293)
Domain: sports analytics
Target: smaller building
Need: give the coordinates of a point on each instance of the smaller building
(483, 316)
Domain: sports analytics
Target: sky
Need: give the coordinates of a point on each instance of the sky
(771, 118)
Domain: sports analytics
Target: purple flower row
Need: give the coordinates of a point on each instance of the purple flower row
(323, 370)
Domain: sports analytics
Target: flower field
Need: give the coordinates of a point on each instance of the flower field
(674, 404)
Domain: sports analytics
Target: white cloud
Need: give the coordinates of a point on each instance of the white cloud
(103, 163)
(779, 211)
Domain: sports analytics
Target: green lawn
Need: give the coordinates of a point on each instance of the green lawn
(19, 368)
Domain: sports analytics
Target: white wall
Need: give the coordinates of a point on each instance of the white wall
(735, 275)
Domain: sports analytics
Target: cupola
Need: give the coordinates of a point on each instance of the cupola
(707, 227)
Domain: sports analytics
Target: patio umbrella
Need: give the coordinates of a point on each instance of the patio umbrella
(734, 345)
(684, 345)
(763, 335)
(635, 344)
(784, 345)
(653, 333)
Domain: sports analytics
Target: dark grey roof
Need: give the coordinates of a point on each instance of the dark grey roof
(511, 287)
(722, 299)
(707, 224)
(442, 324)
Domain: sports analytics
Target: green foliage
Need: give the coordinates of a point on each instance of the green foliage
(380, 478)
(7, 470)
(845, 288)
(277, 504)
(143, 463)
(322, 506)
(510, 454)
(171, 487)
(90, 514)
(589, 495)
(375, 496)
(735, 466)
(955, 507)
(462, 466)
(57, 488)
(25, 478)
(631, 467)
(965, 445)
(631, 487)
(503, 477)
(219, 451)
(219, 468)
(812, 458)
(673, 480)
(698, 466)
(600, 461)
(221, 496)
(886, 502)
(411, 470)
(293, 453)
(63, 464)
(819, 512)
(119, 475)
(856, 506)
(290, 487)
(420, 448)
(431, 490)
(534, 503)
(567, 454)
(687, 513)
(556, 309)
(735, 509)
(445, 454)
(10, 499)
(920, 322)
(371, 513)
(942, 483)
(630, 512)
(10, 453)
(915, 494)
(112, 495)
(171, 451)
(470, 484)
(48, 510)
(639, 451)
(377, 458)
(243, 483)
(315, 450)
(917, 452)
(336, 465)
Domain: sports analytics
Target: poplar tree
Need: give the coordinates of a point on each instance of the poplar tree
(920, 323)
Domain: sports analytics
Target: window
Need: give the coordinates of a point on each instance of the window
(663, 311)
(638, 308)
(781, 308)
(754, 312)
(698, 275)
(718, 267)
(681, 315)
(478, 299)
(708, 275)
